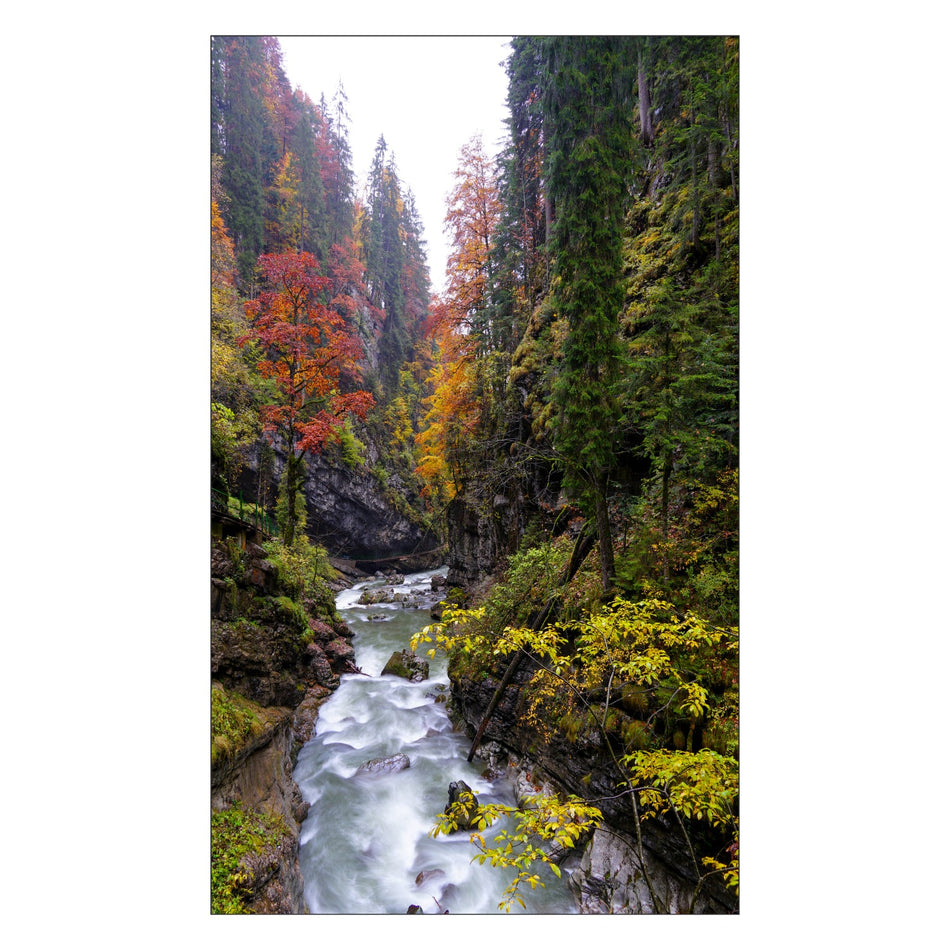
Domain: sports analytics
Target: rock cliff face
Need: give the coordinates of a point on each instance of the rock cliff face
(482, 529)
(258, 777)
(350, 511)
(287, 660)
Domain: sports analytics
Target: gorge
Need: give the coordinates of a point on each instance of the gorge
(533, 474)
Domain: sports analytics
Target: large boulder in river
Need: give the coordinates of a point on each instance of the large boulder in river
(385, 766)
(382, 595)
(407, 665)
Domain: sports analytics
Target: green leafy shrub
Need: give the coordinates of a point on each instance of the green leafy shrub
(530, 579)
(236, 832)
(303, 568)
(645, 657)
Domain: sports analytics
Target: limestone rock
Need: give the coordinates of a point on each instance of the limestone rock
(348, 509)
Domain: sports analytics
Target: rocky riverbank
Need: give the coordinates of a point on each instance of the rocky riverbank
(274, 661)
(605, 873)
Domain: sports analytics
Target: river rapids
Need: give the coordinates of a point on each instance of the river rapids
(366, 847)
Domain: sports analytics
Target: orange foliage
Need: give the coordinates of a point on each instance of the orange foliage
(454, 414)
(308, 347)
(474, 210)
(222, 251)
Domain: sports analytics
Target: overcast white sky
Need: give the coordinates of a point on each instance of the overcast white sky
(426, 95)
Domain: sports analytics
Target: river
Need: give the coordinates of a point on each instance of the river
(365, 847)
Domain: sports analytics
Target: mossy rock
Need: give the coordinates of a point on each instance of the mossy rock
(235, 721)
(635, 699)
(407, 665)
(242, 844)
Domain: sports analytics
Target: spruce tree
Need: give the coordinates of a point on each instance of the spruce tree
(587, 112)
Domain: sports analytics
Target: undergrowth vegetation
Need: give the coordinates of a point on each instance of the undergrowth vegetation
(237, 832)
(234, 720)
(656, 682)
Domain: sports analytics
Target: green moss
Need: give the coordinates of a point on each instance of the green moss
(293, 613)
(235, 833)
(234, 720)
(635, 699)
(570, 726)
(636, 735)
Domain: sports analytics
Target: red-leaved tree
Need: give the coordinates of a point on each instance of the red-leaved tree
(307, 349)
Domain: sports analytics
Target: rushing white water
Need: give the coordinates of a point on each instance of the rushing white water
(365, 847)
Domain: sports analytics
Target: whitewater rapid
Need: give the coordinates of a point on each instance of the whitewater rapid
(366, 847)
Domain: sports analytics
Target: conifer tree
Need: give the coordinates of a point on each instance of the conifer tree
(240, 137)
(383, 245)
(588, 105)
(336, 162)
(312, 205)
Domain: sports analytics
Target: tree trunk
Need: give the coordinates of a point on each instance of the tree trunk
(694, 160)
(293, 469)
(604, 538)
(667, 472)
(712, 161)
(643, 95)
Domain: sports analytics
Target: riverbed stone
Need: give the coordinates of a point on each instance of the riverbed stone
(407, 665)
(388, 765)
(382, 595)
(429, 875)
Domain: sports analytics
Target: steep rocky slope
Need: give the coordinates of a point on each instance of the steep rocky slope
(274, 661)
(606, 875)
(352, 511)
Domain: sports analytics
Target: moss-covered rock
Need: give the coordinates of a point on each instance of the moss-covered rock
(249, 850)
(407, 665)
(270, 674)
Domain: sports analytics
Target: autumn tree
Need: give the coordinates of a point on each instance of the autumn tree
(453, 414)
(471, 221)
(310, 353)
(461, 329)
(234, 396)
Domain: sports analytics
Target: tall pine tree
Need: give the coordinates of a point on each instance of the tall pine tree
(587, 109)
